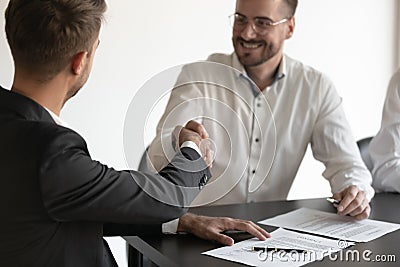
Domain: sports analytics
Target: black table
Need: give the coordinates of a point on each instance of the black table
(185, 250)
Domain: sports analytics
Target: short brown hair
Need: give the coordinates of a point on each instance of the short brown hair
(44, 35)
(292, 6)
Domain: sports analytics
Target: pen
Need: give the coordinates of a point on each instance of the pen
(333, 201)
(278, 249)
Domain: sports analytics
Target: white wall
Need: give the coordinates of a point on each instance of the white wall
(354, 42)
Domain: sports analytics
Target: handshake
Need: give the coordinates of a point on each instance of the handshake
(196, 133)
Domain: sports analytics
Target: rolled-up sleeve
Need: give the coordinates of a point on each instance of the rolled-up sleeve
(385, 146)
(334, 145)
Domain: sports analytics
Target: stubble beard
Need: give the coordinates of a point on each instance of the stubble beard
(78, 85)
(269, 51)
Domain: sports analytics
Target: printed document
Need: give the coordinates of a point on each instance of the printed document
(305, 249)
(332, 225)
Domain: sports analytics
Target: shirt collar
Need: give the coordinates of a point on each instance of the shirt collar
(281, 69)
(281, 73)
(56, 118)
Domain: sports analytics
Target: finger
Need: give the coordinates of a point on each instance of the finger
(258, 232)
(198, 128)
(250, 228)
(338, 196)
(364, 214)
(209, 157)
(261, 233)
(360, 208)
(355, 203)
(348, 195)
(208, 161)
(189, 135)
(222, 239)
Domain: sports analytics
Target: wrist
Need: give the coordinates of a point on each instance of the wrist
(186, 222)
(192, 145)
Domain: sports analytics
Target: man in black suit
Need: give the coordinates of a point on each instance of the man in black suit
(54, 199)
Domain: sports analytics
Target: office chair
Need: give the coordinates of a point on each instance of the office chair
(363, 145)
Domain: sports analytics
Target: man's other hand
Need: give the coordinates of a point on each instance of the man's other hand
(212, 228)
(353, 202)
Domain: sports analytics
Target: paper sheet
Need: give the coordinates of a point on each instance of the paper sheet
(317, 248)
(332, 225)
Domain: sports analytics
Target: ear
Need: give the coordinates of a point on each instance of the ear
(291, 25)
(79, 62)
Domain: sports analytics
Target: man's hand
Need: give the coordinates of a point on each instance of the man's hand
(353, 201)
(212, 228)
(193, 131)
(198, 128)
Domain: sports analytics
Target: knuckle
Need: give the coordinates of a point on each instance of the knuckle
(357, 211)
(199, 128)
(357, 202)
(228, 221)
(352, 193)
(189, 123)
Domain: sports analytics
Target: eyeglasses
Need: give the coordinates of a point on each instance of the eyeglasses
(261, 25)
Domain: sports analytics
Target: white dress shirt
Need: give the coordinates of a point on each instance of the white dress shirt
(261, 137)
(56, 118)
(385, 146)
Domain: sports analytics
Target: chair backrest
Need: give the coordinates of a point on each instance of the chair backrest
(363, 145)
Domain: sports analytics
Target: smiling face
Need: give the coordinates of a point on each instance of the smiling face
(252, 48)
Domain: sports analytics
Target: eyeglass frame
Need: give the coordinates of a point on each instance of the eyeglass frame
(270, 23)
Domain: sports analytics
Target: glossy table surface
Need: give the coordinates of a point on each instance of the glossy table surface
(185, 250)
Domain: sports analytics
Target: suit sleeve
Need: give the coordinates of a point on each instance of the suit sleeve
(75, 187)
(113, 229)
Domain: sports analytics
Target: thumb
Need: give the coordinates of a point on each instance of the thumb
(198, 128)
(224, 239)
(339, 195)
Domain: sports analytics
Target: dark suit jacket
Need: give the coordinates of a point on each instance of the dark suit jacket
(54, 199)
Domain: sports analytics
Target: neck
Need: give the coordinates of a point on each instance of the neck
(51, 94)
(263, 75)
